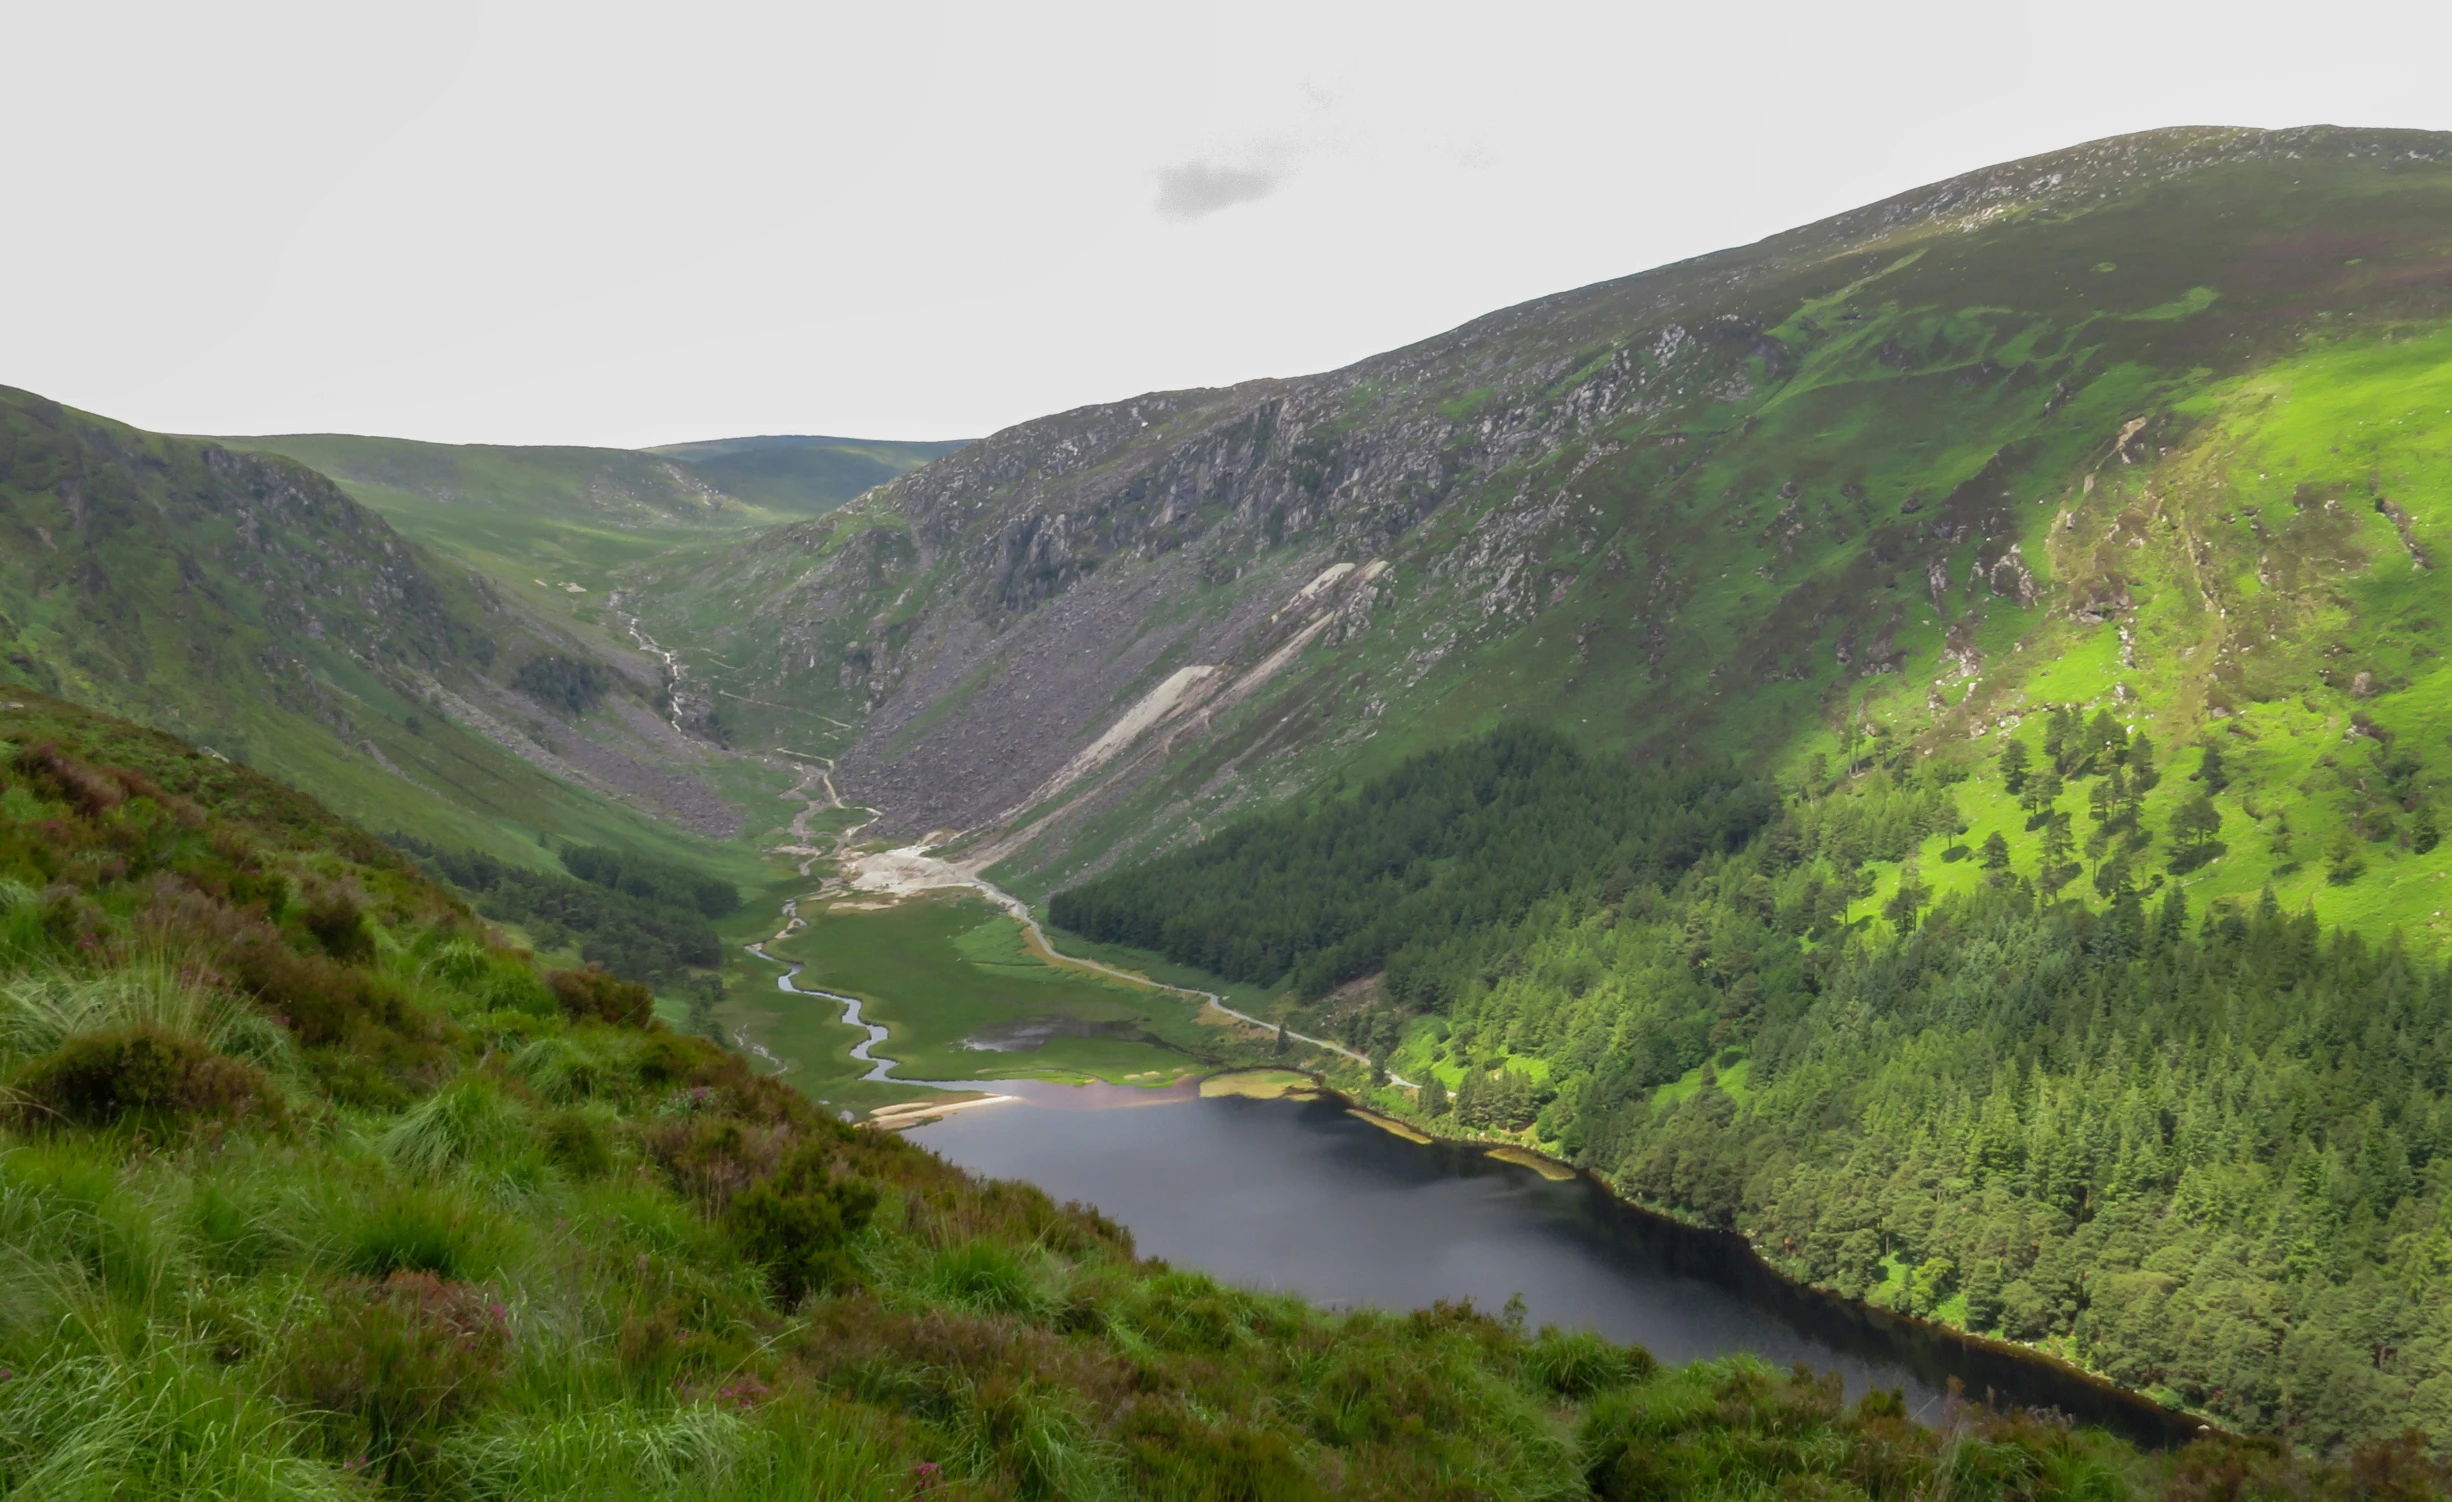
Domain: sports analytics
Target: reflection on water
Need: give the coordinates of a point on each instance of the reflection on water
(1303, 1197)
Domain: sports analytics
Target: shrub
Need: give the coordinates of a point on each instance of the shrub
(562, 1069)
(986, 1277)
(339, 925)
(597, 993)
(664, 1058)
(570, 684)
(142, 1072)
(1579, 1363)
(410, 1231)
(90, 792)
(320, 999)
(1182, 1311)
(575, 1144)
(713, 1158)
(396, 1364)
(799, 1225)
(1175, 1455)
(469, 1118)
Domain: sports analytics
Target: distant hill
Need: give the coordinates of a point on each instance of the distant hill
(806, 475)
(558, 527)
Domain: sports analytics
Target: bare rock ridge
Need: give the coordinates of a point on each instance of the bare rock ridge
(1680, 512)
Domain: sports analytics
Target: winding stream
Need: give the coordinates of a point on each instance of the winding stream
(789, 983)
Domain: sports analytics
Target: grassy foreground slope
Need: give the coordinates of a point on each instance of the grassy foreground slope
(310, 1189)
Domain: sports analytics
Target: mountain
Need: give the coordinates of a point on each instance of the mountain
(245, 601)
(2144, 423)
(439, 1224)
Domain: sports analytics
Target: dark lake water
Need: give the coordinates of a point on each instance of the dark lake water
(1301, 1196)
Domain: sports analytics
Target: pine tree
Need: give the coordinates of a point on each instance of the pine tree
(2193, 829)
(2062, 734)
(2344, 861)
(1996, 852)
(2171, 924)
(1909, 899)
(2057, 868)
(1470, 1111)
(2210, 771)
(2015, 764)
(1434, 1095)
(2106, 741)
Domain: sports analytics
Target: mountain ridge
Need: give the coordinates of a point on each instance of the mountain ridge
(1910, 378)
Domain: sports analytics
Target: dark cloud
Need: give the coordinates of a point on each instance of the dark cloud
(1198, 188)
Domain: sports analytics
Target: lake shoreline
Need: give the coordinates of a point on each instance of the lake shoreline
(2176, 1425)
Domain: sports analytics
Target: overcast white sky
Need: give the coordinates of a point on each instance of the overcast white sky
(494, 220)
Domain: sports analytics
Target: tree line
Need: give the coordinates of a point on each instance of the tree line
(1450, 844)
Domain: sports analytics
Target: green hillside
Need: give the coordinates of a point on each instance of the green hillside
(311, 1188)
(246, 602)
(1922, 740)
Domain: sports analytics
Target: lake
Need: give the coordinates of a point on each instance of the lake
(1303, 1197)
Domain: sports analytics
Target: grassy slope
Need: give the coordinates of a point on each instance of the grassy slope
(2266, 582)
(804, 476)
(248, 604)
(425, 1234)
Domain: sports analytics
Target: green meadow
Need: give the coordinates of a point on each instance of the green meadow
(941, 970)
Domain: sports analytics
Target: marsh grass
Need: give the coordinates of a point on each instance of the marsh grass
(43, 1007)
(469, 1120)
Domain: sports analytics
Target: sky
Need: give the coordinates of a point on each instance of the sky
(610, 223)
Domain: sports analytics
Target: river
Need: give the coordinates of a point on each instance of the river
(1304, 1197)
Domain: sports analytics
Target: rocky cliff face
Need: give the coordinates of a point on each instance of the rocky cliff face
(1693, 511)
